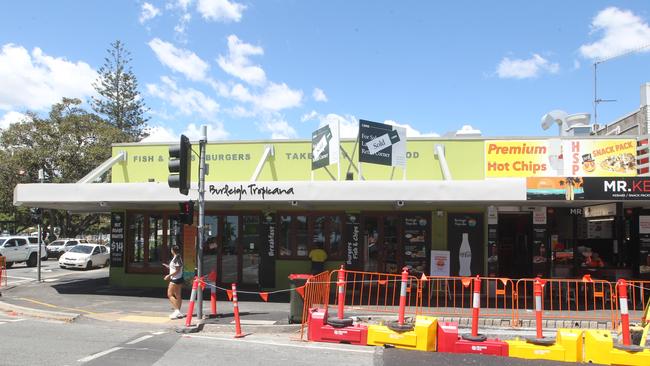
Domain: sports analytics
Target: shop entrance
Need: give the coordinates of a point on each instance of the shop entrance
(515, 241)
(392, 241)
(232, 248)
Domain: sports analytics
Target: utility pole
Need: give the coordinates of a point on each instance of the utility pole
(201, 231)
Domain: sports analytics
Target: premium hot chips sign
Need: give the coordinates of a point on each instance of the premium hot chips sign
(560, 158)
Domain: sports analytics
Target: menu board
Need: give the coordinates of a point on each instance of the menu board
(416, 228)
(117, 239)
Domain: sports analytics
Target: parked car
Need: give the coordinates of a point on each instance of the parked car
(85, 256)
(60, 246)
(17, 249)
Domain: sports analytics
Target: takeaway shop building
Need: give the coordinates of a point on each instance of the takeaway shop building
(508, 207)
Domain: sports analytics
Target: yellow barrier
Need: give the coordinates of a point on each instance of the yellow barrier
(421, 338)
(599, 348)
(567, 347)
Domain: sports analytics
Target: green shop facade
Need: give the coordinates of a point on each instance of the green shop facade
(445, 214)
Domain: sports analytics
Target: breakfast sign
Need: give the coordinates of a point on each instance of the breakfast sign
(560, 158)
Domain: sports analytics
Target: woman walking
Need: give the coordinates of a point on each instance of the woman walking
(175, 278)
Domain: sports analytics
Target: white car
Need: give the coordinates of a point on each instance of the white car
(85, 256)
(17, 249)
(60, 246)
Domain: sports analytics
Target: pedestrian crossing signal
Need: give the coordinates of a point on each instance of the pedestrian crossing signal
(187, 212)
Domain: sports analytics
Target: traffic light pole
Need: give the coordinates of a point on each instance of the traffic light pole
(201, 231)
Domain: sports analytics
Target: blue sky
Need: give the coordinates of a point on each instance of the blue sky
(279, 69)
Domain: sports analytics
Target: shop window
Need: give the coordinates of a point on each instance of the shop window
(211, 243)
(298, 234)
(136, 238)
(284, 236)
(155, 244)
(149, 237)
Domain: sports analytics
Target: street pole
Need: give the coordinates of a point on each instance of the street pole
(199, 271)
(41, 178)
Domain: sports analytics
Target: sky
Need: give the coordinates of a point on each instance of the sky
(277, 69)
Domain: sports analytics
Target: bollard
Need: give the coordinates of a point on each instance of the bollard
(402, 296)
(341, 287)
(190, 307)
(538, 307)
(213, 300)
(235, 307)
(625, 318)
(476, 305)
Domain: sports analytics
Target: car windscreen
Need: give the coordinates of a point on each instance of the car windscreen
(86, 249)
(56, 242)
(2, 241)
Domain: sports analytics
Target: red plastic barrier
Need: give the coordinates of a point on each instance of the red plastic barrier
(447, 336)
(493, 347)
(320, 331)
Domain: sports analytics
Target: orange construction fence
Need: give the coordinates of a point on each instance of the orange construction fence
(585, 299)
(452, 296)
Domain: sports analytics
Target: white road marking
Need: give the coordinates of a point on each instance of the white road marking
(157, 333)
(100, 354)
(307, 345)
(2, 323)
(254, 322)
(22, 278)
(140, 339)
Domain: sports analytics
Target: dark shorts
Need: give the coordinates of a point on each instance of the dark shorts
(178, 281)
(317, 267)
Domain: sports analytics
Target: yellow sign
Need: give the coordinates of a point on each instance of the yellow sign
(560, 158)
(518, 158)
(599, 158)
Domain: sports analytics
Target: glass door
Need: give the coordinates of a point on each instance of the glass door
(371, 244)
(250, 259)
(391, 249)
(230, 250)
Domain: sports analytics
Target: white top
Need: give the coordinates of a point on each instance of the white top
(176, 264)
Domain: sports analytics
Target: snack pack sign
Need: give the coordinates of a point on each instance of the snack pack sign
(325, 146)
(599, 158)
(560, 158)
(382, 144)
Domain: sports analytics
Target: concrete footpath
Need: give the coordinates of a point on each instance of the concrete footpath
(80, 298)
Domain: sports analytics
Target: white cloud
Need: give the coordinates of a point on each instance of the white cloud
(181, 27)
(148, 12)
(621, 31)
(220, 10)
(160, 134)
(184, 4)
(279, 128)
(241, 112)
(309, 116)
(180, 60)
(36, 80)
(216, 131)
(274, 97)
(12, 117)
(188, 101)
(319, 95)
(576, 64)
(523, 69)
(410, 131)
(238, 64)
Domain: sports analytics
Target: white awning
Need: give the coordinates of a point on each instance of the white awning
(92, 197)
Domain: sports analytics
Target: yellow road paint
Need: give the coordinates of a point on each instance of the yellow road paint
(56, 307)
(144, 319)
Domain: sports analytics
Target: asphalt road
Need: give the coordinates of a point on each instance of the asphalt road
(20, 274)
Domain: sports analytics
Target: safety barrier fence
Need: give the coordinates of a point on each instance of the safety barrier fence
(569, 300)
(452, 296)
(376, 292)
(512, 301)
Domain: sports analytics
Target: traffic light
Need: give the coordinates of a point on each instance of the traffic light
(187, 212)
(36, 215)
(180, 166)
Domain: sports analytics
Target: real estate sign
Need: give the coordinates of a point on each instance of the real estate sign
(382, 144)
(325, 146)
